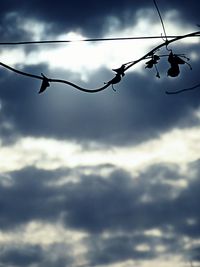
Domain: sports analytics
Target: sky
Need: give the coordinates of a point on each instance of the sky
(108, 179)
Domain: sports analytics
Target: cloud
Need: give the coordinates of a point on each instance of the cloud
(89, 17)
(105, 251)
(24, 256)
(29, 255)
(135, 113)
(97, 179)
(113, 204)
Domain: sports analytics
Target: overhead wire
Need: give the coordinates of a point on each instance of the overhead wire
(92, 40)
(120, 72)
(116, 79)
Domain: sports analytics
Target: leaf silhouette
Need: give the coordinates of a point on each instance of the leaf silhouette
(44, 85)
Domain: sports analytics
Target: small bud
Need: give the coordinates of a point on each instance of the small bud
(173, 71)
(120, 70)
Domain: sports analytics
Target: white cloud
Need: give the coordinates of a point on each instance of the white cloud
(177, 146)
(46, 235)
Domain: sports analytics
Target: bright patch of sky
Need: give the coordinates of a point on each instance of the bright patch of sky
(178, 147)
(86, 57)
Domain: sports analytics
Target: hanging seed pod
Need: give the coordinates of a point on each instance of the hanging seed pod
(175, 60)
(149, 64)
(171, 58)
(153, 61)
(178, 60)
(174, 71)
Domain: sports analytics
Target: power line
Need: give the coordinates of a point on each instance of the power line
(92, 40)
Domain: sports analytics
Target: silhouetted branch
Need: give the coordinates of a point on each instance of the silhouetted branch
(182, 90)
(161, 20)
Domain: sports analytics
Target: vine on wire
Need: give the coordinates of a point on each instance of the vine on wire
(152, 59)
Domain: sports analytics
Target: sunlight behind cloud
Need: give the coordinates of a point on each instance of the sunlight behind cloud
(86, 57)
(13, 56)
(178, 147)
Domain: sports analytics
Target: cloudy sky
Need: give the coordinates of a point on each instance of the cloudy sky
(109, 179)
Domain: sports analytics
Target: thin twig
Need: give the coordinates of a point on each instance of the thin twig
(158, 47)
(161, 20)
(182, 90)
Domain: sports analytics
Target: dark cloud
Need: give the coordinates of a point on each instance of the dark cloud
(119, 203)
(88, 16)
(122, 201)
(10, 29)
(138, 111)
(24, 256)
(25, 198)
(195, 254)
(117, 249)
(29, 255)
